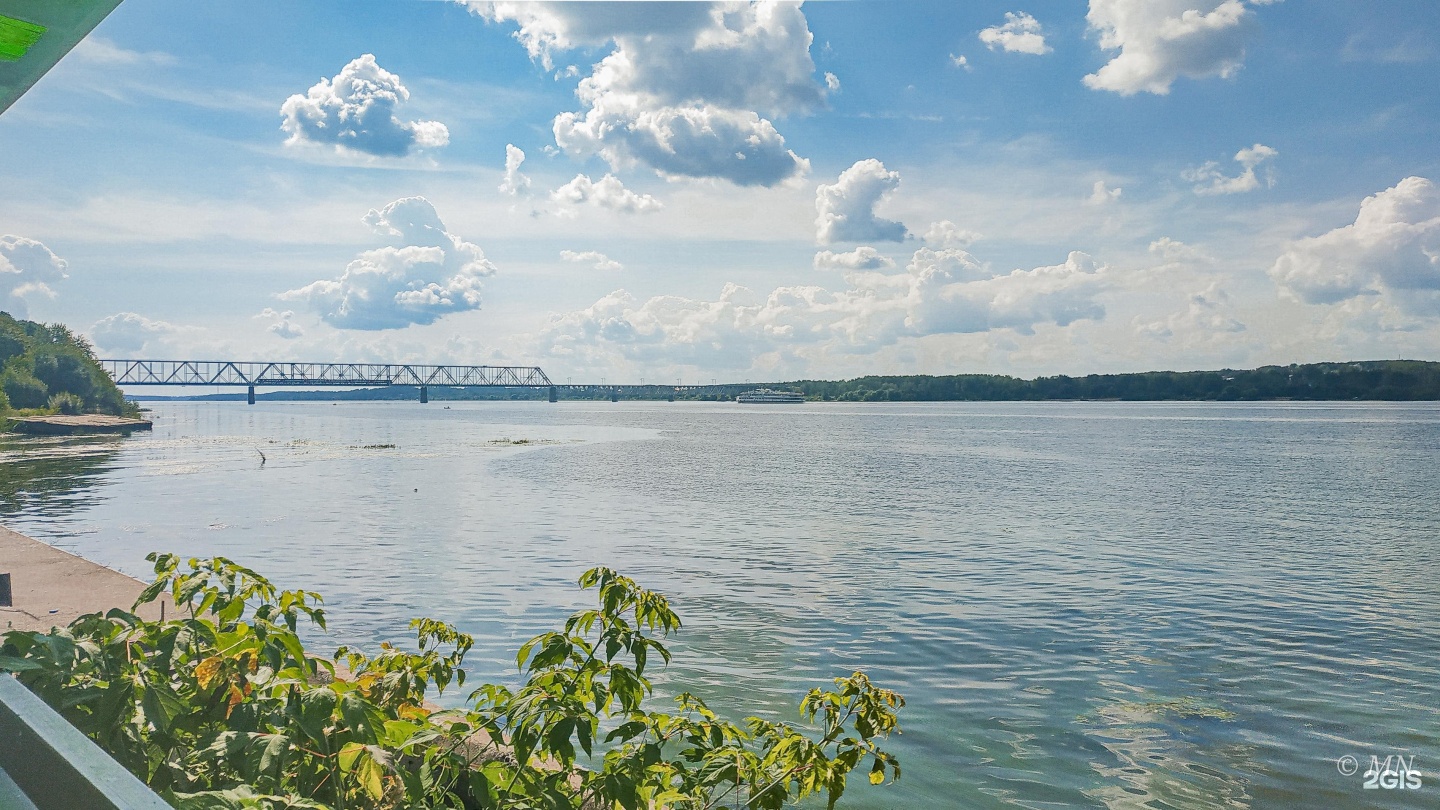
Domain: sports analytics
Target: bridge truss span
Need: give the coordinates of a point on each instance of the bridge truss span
(227, 372)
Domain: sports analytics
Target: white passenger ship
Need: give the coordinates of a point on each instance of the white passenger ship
(767, 396)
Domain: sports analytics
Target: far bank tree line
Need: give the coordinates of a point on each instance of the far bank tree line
(46, 367)
(1396, 380)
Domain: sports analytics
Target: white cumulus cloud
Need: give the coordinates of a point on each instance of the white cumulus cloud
(27, 268)
(1161, 40)
(281, 324)
(1204, 318)
(1209, 180)
(515, 183)
(607, 192)
(1020, 33)
(845, 210)
(356, 111)
(861, 258)
(941, 292)
(1102, 194)
(426, 273)
(1172, 252)
(951, 264)
(686, 89)
(594, 258)
(126, 332)
(1392, 250)
(946, 234)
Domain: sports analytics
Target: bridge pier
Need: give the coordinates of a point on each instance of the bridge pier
(554, 394)
(424, 394)
(251, 395)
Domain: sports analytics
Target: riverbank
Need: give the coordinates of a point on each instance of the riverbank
(51, 588)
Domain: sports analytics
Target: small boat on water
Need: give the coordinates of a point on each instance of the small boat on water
(768, 397)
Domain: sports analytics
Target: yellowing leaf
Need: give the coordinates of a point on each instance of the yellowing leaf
(207, 670)
(876, 777)
(236, 698)
(349, 754)
(369, 774)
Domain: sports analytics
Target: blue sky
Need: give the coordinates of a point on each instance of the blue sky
(736, 190)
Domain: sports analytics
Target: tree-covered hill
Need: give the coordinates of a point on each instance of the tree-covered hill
(46, 366)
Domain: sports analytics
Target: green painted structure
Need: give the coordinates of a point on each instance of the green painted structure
(36, 34)
(47, 764)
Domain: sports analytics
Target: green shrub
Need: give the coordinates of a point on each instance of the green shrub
(68, 404)
(223, 707)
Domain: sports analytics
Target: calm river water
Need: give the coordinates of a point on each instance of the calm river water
(1086, 604)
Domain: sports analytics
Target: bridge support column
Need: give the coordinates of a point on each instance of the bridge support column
(250, 397)
(554, 394)
(424, 394)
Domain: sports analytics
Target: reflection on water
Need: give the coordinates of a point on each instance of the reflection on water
(52, 474)
(1169, 753)
(1087, 604)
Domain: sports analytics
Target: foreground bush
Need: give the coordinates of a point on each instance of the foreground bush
(223, 707)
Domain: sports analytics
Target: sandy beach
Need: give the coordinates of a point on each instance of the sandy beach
(52, 587)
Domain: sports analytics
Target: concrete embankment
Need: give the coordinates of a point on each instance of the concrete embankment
(51, 588)
(59, 424)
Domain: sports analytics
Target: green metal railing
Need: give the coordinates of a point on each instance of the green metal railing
(47, 764)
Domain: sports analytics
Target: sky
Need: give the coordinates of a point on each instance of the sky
(737, 191)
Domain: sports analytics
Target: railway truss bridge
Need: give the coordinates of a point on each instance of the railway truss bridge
(249, 375)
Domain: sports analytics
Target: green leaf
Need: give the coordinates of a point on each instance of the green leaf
(276, 746)
(9, 663)
(480, 789)
(361, 717)
(316, 708)
(558, 740)
(162, 706)
(293, 646)
(148, 595)
(583, 732)
(626, 731)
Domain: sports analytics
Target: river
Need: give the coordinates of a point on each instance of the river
(1115, 605)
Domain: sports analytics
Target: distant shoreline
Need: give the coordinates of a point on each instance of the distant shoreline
(1369, 380)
